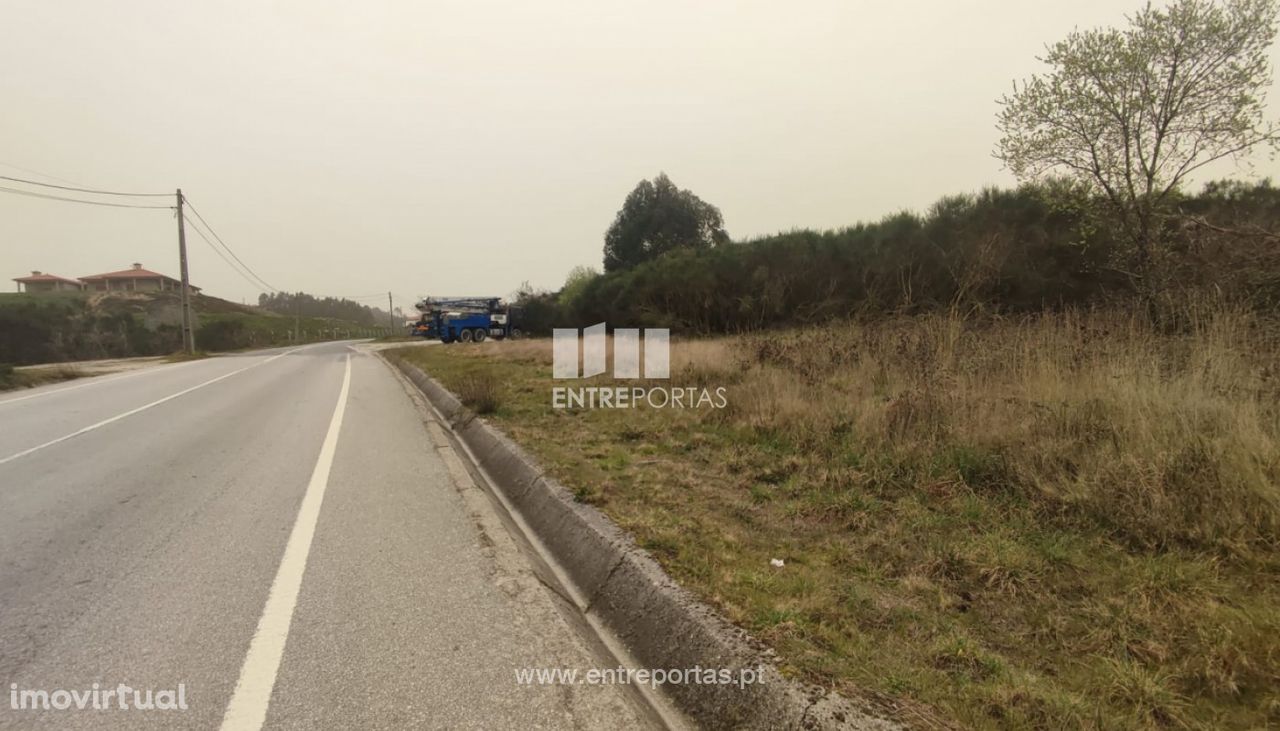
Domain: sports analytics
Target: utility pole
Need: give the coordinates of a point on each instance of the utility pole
(391, 311)
(188, 337)
(297, 317)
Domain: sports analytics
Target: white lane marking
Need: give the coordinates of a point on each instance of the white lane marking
(144, 407)
(112, 377)
(95, 380)
(247, 710)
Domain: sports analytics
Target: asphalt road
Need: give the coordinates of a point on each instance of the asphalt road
(277, 532)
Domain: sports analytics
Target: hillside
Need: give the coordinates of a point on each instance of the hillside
(80, 326)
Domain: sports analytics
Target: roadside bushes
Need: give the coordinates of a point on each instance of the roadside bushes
(222, 334)
(1228, 240)
(37, 329)
(1030, 249)
(53, 328)
(1012, 250)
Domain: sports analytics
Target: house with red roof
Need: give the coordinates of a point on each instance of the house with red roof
(40, 282)
(133, 279)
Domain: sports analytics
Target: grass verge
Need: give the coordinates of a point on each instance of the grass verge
(182, 356)
(12, 378)
(1065, 521)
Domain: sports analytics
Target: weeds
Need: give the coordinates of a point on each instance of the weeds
(1067, 520)
(1163, 438)
(481, 392)
(30, 377)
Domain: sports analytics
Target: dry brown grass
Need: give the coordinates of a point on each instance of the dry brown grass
(1065, 521)
(30, 377)
(481, 392)
(1166, 438)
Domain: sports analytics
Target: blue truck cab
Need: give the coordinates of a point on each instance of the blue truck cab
(463, 327)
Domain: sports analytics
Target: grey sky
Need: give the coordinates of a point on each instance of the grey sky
(463, 147)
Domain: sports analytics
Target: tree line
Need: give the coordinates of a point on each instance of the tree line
(1002, 251)
(1103, 143)
(338, 308)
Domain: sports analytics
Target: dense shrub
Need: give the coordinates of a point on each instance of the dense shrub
(222, 335)
(50, 328)
(1034, 248)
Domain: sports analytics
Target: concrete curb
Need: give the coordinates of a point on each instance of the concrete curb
(661, 624)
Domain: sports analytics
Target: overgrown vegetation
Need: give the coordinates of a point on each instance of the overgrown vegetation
(12, 378)
(1020, 454)
(1056, 520)
(1133, 112)
(333, 308)
(50, 328)
(1104, 141)
(1043, 246)
(480, 391)
(237, 331)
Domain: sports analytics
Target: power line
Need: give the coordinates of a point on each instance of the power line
(37, 172)
(228, 248)
(223, 256)
(34, 194)
(85, 190)
(244, 270)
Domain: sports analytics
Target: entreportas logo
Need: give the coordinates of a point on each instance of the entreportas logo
(631, 351)
(626, 352)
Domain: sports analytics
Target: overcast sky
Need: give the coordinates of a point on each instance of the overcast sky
(463, 147)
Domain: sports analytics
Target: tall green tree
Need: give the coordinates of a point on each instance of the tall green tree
(658, 217)
(1134, 111)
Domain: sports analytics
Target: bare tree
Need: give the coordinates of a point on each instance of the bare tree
(1133, 112)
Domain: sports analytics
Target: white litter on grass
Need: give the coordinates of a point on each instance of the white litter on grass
(777, 563)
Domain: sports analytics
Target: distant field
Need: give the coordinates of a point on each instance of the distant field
(234, 331)
(1064, 521)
